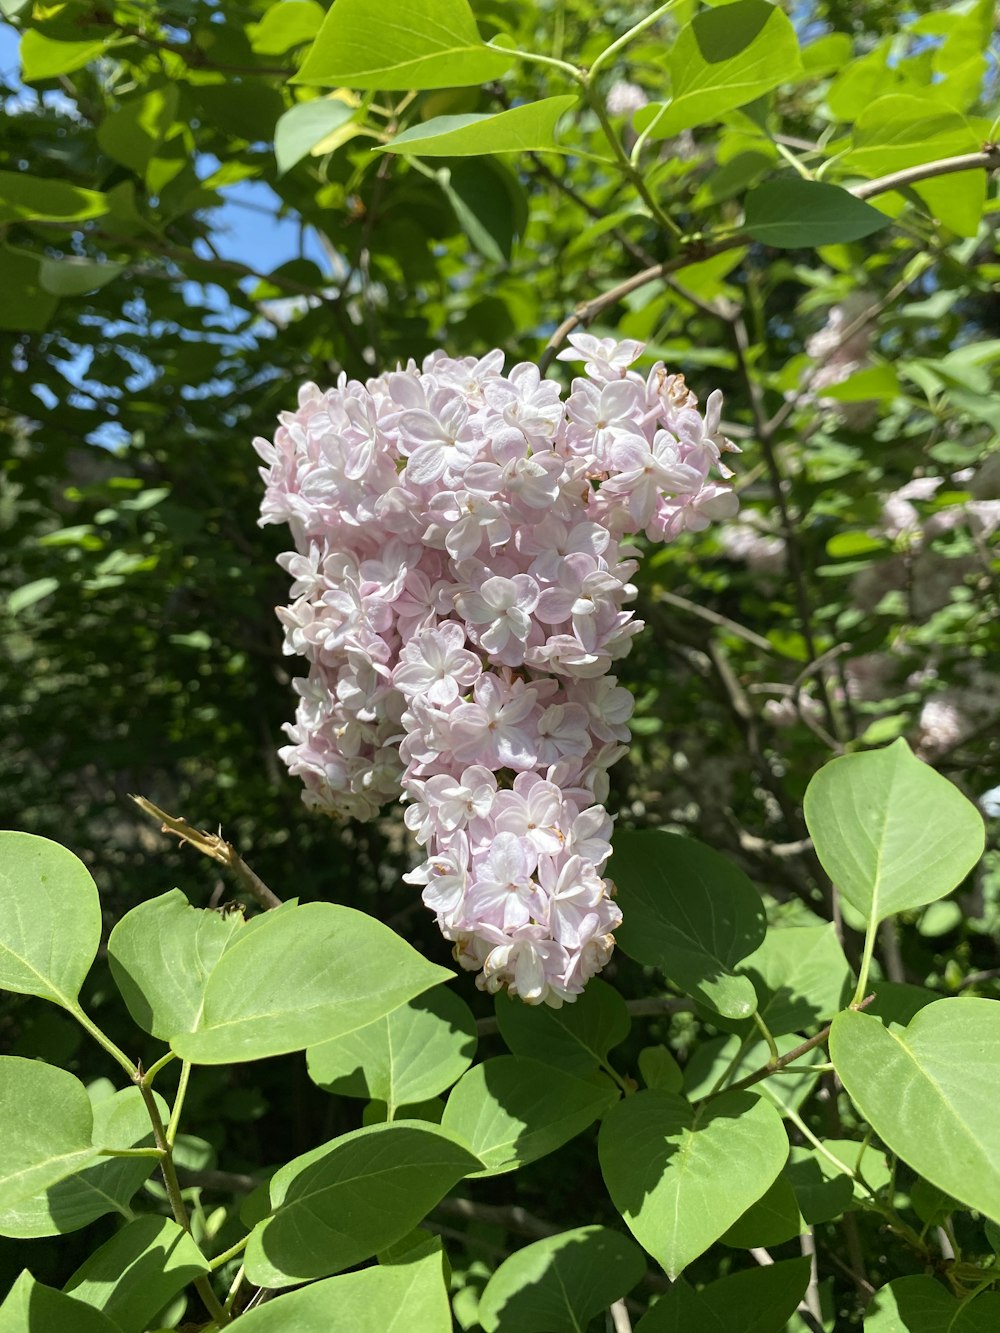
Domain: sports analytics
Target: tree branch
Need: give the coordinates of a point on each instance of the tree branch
(988, 159)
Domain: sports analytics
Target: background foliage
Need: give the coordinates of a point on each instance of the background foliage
(854, 601)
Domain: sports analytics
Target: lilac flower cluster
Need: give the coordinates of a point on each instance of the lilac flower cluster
(459, 582)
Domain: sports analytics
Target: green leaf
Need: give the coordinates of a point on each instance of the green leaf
(757, 1300)
(929, 1092)
(339, 1204)
(50, 919)
(132, 133)
(820, 1197)
(902, 130)
(120, 1121)
(660, 1070)
(162, 954)
(286, 980)
(576, 1037)
(772, 1220)
(46, 1127)
(26, 307)
(801, 976)
(510, 1110)
(132, 1276)
(681, 1176)
(30, 593)
(25, 198)
(690, 912)
(793, 214)
(722, 59)
(524, 129)
(890, 832)
(31, 1307)
(489, 203)
(45, 58)
(923, 1305)
(560, 1283)
(305, 125)
(286, 25)
(414, 44)
(408, 1056)
(74, 277)
(405, 1297)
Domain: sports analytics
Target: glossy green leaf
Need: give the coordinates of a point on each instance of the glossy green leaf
(801, 976)
(305, 125)
(31, 1307)
(890, 832)
(408, 1056)
(659, 1069)
(560, 1283)
(681, 1176)
(50, 919)
(414, 44)
(344, 1201)
(756, 1300)
(120, 1121)
(45, 57)
(772, 1220)
(489, 203)
(286, 25)
(30, 593)
(576, 1037)
(793, 214)
(929, 1092)
(723, 59)
(132, 1276)
(74, 277)
(408, 1296)
(510, 1110)
(690, 912)
(46, 1127)
(523, 129)
(924, 1305)
(26, 198)
(286, 980)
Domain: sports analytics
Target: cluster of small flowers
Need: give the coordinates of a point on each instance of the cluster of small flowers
(460, 575)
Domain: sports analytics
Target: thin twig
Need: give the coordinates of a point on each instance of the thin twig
(988, 159)
(215, 846)
(807, 1243)
(716, 618)
(773, 1066)
(620, 1317)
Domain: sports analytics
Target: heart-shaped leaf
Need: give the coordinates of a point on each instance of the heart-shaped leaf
(560, 1283)
(923, 1305)
(690, 912)
(510, 1111)
(50, 919)
(344, 1201)
(681, 1176)
(46, 1127)
(576, 1037)
(929, 1091)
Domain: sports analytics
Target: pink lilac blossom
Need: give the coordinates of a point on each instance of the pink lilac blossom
(460, 578)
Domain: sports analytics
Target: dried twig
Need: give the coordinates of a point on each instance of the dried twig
(214, 846)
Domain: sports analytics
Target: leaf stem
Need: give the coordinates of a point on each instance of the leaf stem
(204, 1288)
(626, 167)
(866, 963)
(154, 1069)
(231, 1253)
(104, 1040)
(234, 1289)
(570, 70)
(611, 51)
(178, 1106)
(768, 1036)
(132, 1152)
